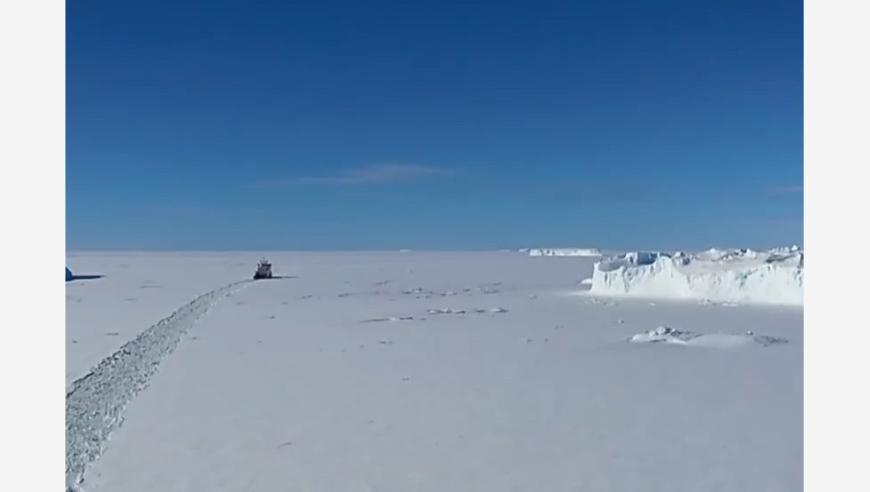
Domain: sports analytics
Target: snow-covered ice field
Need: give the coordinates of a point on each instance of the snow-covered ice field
(429, 371)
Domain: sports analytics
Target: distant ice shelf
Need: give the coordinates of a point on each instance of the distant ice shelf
(564, 252)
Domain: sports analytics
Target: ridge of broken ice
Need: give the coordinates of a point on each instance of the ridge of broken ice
(731, 275)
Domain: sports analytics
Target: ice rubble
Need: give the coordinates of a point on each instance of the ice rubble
(96, 402)
(564, 252)
(775, 276)
(668, 335)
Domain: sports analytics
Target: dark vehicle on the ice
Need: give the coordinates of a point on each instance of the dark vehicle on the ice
(264, 270)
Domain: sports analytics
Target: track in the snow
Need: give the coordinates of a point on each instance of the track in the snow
(95, 402)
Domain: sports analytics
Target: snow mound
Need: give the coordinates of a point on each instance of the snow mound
(564, 252)
(668, 335)
(731, 275)
(663, 334)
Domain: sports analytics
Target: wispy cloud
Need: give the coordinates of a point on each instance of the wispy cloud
(788, 189)
(378, 174)
(179, 211)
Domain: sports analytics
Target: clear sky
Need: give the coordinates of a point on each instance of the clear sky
(434, 125)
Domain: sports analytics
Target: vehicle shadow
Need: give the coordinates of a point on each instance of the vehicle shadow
(71, 277)
(83, 277)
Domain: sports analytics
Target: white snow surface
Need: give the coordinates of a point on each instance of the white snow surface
(419, 371)
(138, 290)
(564, 252)
(96, 402)
(727, 275)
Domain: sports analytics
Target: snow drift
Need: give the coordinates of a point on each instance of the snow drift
(733, 275)
(564, 252)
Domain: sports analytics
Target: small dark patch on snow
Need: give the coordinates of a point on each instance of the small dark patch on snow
(766, 341)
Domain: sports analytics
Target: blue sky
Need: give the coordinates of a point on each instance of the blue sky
(434, 125)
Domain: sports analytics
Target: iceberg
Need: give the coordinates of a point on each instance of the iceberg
(775, 276)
